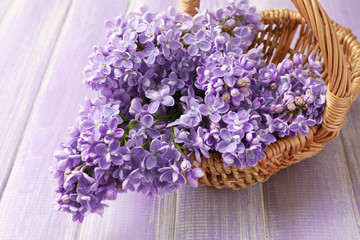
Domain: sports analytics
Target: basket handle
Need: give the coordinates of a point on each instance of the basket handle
(189, 6)
(334, 59)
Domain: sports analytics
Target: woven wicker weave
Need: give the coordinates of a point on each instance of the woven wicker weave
(338, 51)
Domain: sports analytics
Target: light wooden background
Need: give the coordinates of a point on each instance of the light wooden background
(44, 46)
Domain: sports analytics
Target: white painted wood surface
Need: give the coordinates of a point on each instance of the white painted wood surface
(28, 35)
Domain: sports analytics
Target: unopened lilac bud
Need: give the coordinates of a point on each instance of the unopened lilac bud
(65, 198)
(235, 92)
(244, 90)
(241, 82)
(288, 65)
(298, 58)
(279, 108)
(185, 165)
(291, 107)
(227, 97)
(273, 86)
(289, 97)
(272, 108)
(299, 100)
(309, 98)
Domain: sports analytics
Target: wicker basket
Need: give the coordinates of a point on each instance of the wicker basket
(339, 52)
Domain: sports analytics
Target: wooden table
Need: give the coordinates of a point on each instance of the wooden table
(44, 46)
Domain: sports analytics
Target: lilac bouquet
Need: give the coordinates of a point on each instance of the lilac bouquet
(173, 89)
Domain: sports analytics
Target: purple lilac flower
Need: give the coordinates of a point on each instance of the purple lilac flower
(108, 154)
(114, 28)
(213, 107)
(169, 41)
(197, 42)
(110, 131)
(159, 97)
(301, 125)
(193, 175)
(102, 63)
(123, 59)
(230, 142)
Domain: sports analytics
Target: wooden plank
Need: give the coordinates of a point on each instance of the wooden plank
(4, 7)
(132, 215)
(312, 199)
(27, 37)
(350, 139)
(26, 208)
(208, 213)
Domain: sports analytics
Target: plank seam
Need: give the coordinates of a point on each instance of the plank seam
(13, 158)
(266, 223)
(175, 209)
(351, 185)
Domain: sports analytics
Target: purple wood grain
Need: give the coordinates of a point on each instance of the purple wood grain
(208, 213)
(28, 35)
(350, 138)
(26, 207)
(312, 199)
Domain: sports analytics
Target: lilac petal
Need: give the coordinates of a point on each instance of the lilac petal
(197, 173)
(103, 164)
(147, 120)
(99, 58)
(153, 133)
(204, 110)
(114, 146)
(101, 149)
(166, 176)
(210, 100)
(118, 133)
(181, 179)
(218, 72)
(113, 123)
(128, 64)
(153, 107)
(168, 101)
(175, 45)
(155, 145)
(87, 124)
(166, 51)
(150, 162)
(141, 28)
(103, 129)
(200, 35)
(215, 117)
(189, 39)
(204, 45)
(225, 134)
(192, 181)
(175, 176)
(222, 146)
(151, 59)
(304, 130)
(193, 50)
(109, 24)
(228, 159)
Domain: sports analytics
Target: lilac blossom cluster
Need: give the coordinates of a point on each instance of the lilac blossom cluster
(173, 89)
